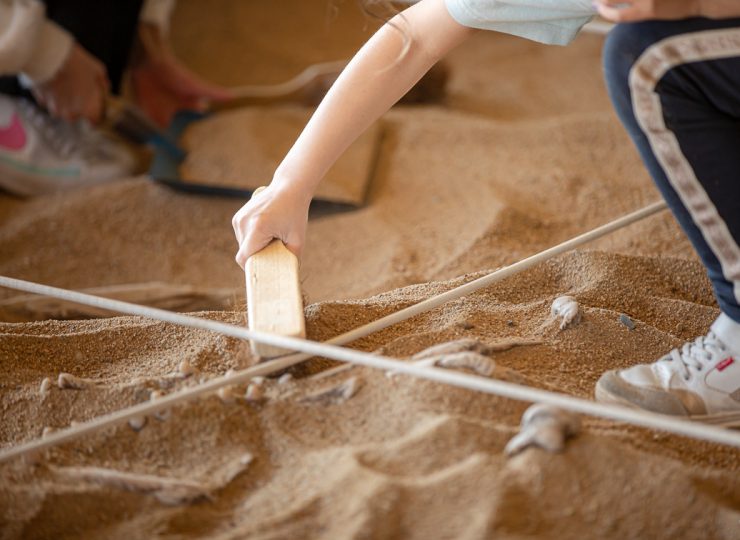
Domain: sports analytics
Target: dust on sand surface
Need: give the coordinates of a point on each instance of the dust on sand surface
(524, 154)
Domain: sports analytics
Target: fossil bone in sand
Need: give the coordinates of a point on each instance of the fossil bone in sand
(336, 394)
(546, 427)
(170, 491)
(567, 308)
(67, 380)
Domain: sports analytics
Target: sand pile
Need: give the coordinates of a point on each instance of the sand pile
(400, 457)
(522, 156)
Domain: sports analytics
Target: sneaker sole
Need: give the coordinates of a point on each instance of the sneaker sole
(729, 419)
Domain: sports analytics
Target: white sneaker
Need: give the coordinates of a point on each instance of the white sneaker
(39, 154)
(700, 381)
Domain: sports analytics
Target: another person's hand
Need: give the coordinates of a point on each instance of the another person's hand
(78, 90)
(275, 212)
(162, 84)
(638, 10)
(641, 10)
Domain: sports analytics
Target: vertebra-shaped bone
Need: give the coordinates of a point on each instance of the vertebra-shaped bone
(546, 427)
(567, 308)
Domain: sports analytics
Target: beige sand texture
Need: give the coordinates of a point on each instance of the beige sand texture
(525, 153)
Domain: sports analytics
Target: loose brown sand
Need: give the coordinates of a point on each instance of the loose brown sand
(525, 153)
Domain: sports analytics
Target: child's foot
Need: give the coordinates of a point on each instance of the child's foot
(701, 380)
(39, 154)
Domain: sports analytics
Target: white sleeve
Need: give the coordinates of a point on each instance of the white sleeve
(158, 13)
(29, 44)
(553, 22)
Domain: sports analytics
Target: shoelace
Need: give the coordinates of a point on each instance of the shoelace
(696, 354)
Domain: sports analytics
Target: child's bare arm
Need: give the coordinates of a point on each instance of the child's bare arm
(377, 77)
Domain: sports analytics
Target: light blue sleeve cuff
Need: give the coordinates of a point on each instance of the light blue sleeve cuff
(545, 21)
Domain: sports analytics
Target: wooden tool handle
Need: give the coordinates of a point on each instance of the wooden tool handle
(274, 300)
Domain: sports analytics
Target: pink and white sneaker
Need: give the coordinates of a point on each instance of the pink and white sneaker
(701, 380)
(39, 154)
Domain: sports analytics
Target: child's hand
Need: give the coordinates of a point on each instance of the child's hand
(78, 90)
(275, 212)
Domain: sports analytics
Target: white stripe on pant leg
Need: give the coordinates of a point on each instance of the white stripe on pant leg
(644, 76)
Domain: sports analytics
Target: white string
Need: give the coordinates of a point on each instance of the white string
(310, 348)
(471, 382)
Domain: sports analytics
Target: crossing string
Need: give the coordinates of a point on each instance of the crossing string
(331, 349)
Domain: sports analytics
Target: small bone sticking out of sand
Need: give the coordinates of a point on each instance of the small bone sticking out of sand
(473, 361)
(45, 387)
(67, 380)
(567, 308)
(468, 344)
(465, 354)
(546, 427)
(169, 491)
(337, 393)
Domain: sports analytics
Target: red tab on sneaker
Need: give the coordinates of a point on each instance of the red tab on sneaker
(725, 363)
(13, 136)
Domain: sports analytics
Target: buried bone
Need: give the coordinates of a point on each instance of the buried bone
(67, 380)
(254, 393)
(546, 427)
(335, 394)
(162, 414)
(45, 387)
(170, 491)
(567, 308)
(473, 361)
(186, 369)
(472, 345)
(137, 423)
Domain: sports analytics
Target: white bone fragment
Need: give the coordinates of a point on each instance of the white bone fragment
(137, 423)
(465, 359)
(226, 394)
(473, 345)
(254, 393)
(67, 380)
(285, 378)
(546, 427)
(451, 347)
(185, 368)
(336, 394)
(473, 361)
(45, 387)
(258, 381)
(163, 414)
(567, 308)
